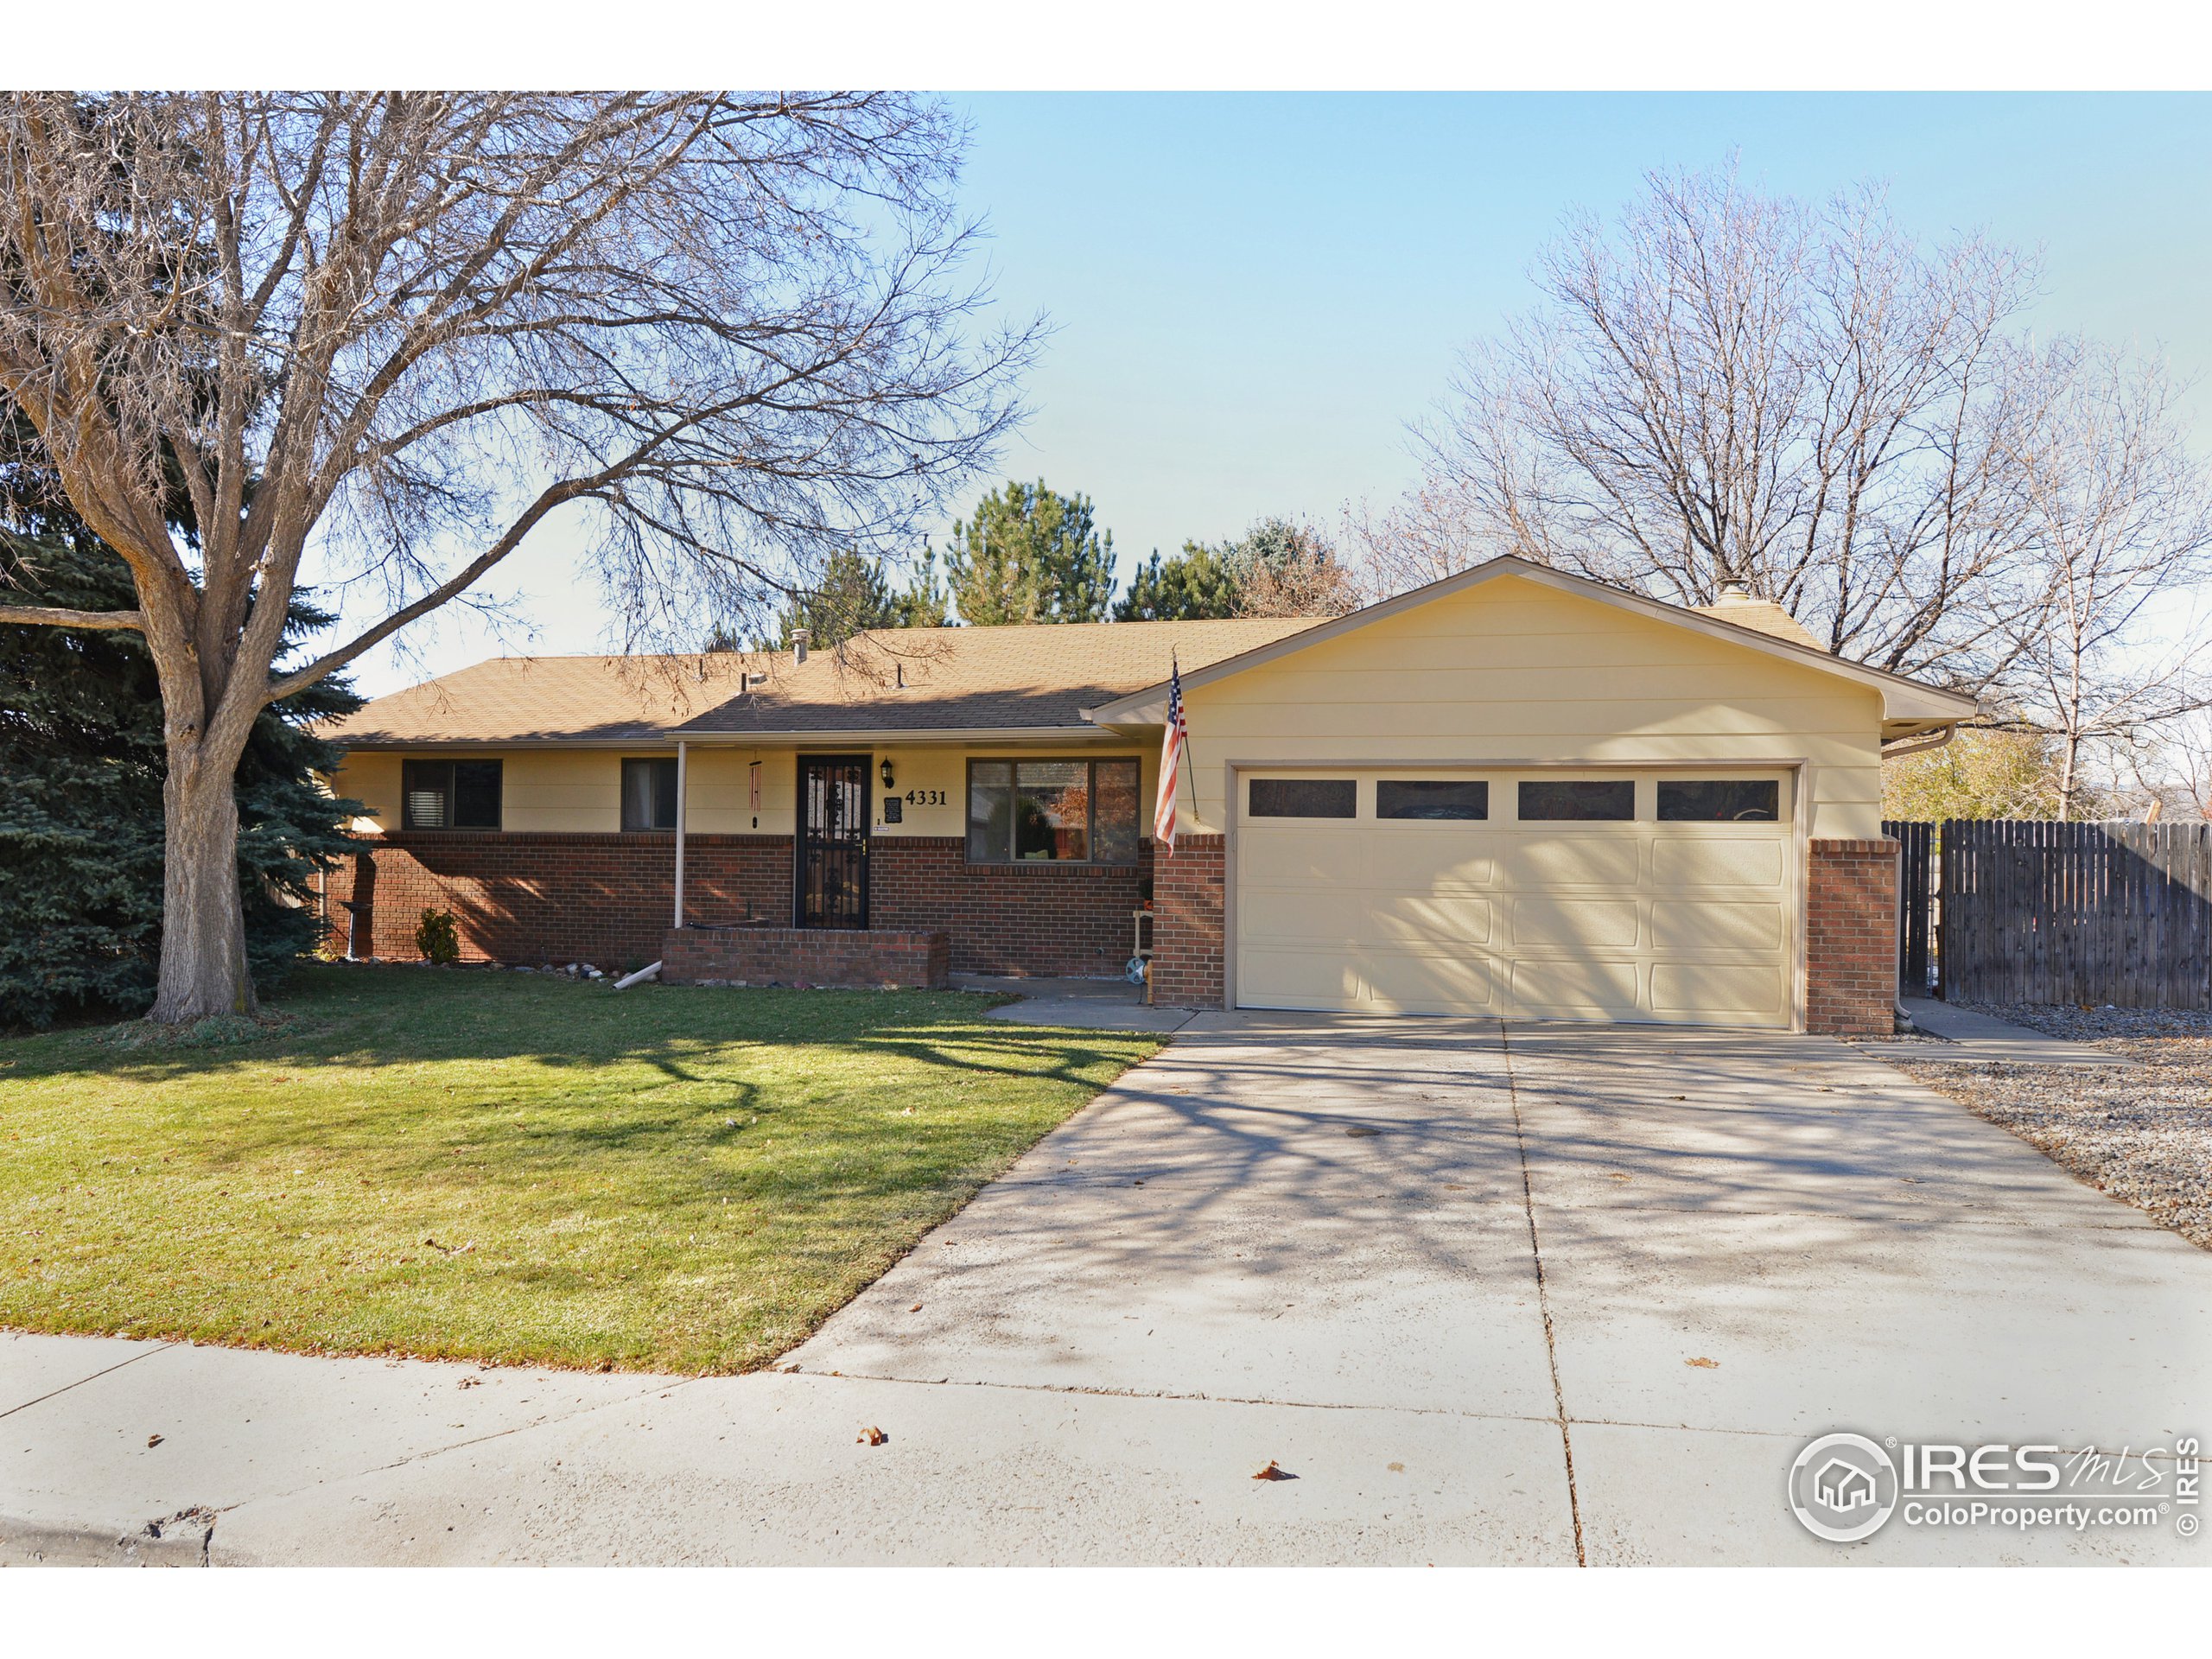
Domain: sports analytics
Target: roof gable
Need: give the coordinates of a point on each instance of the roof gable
(1902, 699)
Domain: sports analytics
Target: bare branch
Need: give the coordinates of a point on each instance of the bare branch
(53, 616)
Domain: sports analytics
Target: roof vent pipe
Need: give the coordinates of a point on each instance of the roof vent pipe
(800, 640)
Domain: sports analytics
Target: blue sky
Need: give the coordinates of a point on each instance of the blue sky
(1252, 294)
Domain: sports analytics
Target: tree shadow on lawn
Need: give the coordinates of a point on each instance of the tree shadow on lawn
(371, 1019)
(525, 1080)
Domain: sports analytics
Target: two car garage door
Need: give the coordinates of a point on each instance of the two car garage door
(1664, 896)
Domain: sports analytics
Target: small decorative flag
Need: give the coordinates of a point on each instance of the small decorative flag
(1170, 761)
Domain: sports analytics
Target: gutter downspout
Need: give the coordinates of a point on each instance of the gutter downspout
(682, 801)
(1921, 744)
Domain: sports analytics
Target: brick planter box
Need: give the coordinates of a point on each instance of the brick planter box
(875, 959)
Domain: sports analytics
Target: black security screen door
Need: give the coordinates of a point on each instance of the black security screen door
(833, 828)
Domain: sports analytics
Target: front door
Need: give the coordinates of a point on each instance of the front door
(833, 830)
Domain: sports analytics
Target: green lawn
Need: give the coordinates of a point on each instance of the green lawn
(512, 1167)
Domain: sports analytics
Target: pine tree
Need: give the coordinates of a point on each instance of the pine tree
(1200, 582)
(1030, 554)
(1276, 569)
(853, 596)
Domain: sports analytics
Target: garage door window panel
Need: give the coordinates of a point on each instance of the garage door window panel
(1457, 799)
(1303, 797)
(1578, 800)
(1693, 800)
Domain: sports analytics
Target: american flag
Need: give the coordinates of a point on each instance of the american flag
(1170, 761)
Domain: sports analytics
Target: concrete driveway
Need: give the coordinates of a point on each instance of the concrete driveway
(1491, 1295)
(1626, 1272)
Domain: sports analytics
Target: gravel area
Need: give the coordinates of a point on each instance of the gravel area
(2143, 1135)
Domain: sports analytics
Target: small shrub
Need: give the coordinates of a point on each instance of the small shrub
(438, 937)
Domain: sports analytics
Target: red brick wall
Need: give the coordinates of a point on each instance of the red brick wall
(608, 899)
(1008, 919)
(1188, 970)
(807, 956)
(531, 898)
(1851, 939)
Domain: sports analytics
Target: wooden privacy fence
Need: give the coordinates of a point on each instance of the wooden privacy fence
(2029, 912)
(1917, 905)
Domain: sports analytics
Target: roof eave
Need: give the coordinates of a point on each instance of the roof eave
(892, 734)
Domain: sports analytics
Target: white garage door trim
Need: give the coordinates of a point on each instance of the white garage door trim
(1795, 837)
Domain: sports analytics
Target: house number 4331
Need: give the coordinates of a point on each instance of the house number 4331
(926, 798)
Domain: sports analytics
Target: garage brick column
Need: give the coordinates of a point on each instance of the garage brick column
(1851, 939)
(1187, 923)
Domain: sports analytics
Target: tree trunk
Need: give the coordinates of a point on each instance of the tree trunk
(203, 922)
(2066, 786)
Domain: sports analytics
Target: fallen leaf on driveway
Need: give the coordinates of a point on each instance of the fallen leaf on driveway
(916, 1308)
(1275, 1472)
(1704, 1365)
(872, 1437)
(153, 1440)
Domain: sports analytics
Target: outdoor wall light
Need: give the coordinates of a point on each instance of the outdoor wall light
(887, 784)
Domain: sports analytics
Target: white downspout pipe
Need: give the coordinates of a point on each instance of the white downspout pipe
(683, 794)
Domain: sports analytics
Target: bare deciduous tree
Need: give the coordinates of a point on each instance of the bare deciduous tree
(1283, 568)
(387, 336)
(2121, 523)
(1733, 387)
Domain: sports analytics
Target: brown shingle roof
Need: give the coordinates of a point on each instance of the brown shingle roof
(921, 679)
(891, 681)
(542, 699)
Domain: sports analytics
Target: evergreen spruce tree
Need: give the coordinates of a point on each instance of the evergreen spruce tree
(81, 751)
(1029, 554)
(1276, 569)
(1200, 582)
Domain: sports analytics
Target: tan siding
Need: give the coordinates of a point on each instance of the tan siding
(580, 790)
(556, 789)
(720, 788)
(1512, 670)
(374, 780)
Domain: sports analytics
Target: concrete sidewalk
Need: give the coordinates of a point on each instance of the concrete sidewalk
(273, 1459)
(1971, 1037)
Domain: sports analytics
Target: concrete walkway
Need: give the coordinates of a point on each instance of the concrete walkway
(1081, 1004)
(1535, 1294)
(1979, 1038)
